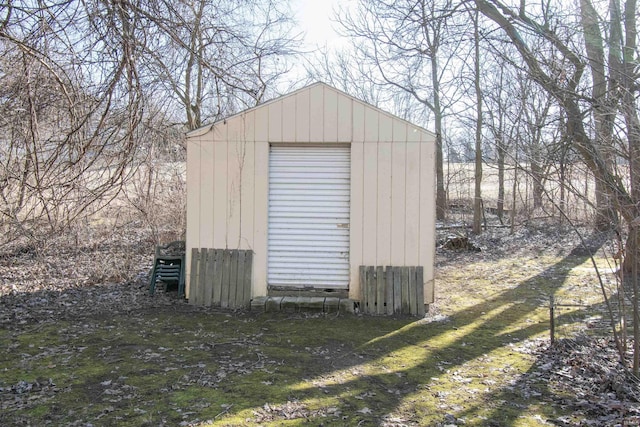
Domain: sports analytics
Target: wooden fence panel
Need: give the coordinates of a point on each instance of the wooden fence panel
(380, 291)
(405, 307)
(226, 273)
(239, 288)
(392, 290)
(246, 279)
(202, 276)
(221, 277)
(413, 296)
(195, 288)
(420, 289)
(363, 287)
(210, 273)
(233, 278)
(216, 285)
(389, 289)
(397, 290)
(371, 289)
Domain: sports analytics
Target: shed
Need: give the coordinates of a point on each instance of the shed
(318, 192)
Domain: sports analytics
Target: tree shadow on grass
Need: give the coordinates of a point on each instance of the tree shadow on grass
(435, 354)
(353, 370)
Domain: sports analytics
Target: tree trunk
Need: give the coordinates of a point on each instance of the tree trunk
(602, 112)
(632, 121)
(563, 185)
(562, 166)
(501, 166)
(630, 286)
(538, 188)
(477, 199)
(514, 189)
(441, 196)
(606, 218)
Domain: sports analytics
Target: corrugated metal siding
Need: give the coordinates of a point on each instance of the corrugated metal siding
(308, 243)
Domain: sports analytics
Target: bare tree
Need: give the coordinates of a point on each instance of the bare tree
(343, 70)
(477, 199)
(504, 122)
(79, 81)
(410, 44)
(537, 121)
(563, 76)
(71, 105)
(213, 58)
(603, 94)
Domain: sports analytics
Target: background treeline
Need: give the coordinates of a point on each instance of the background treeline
(94, 94)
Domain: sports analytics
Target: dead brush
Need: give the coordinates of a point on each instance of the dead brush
(157, 198)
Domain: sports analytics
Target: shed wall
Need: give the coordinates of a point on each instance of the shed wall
(392, 181)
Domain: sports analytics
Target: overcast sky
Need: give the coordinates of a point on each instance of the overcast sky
(314, 18)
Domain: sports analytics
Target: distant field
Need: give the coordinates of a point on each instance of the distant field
(460, 182)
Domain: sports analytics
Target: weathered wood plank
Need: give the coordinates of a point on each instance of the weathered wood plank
(413, 292)
(209, 267)
(420, 290)
(380, 291)
(217, 277)
(221, 277)
(193, 277)
(239, 286)
(389, 290)
(366, 304)
(363, 287)
(404, 274)
(371, 290)
(203, 280)
(202, 273)
(397, 290)
(199, 292)
(246, 280)
(226, 272)
(233, 277)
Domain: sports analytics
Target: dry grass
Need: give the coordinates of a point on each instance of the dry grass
(82, 342)
(459, 182)
(102, 351)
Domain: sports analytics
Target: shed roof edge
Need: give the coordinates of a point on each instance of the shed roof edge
(207, 128)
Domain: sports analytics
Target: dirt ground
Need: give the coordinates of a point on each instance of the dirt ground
(83, 343)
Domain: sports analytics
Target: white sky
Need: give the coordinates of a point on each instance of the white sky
(314, 18)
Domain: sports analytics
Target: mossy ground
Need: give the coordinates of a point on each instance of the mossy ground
(181, 365)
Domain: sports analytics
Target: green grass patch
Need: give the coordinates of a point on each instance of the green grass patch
(169, 367)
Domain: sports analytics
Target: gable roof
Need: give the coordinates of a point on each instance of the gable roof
(303, 93)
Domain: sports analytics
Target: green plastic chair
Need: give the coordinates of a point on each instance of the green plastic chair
(169, 266)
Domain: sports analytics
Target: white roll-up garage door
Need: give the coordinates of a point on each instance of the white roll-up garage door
(309, 190)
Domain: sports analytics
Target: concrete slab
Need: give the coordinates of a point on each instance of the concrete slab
(273, 304)
(295, 304)
(346, 306)
(289, 305)
(258, 304)
(311, 304)
(332, 305)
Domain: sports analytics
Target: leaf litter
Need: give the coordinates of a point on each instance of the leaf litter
(82, 286)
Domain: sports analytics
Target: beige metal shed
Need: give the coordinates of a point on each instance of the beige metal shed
(315, 184)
